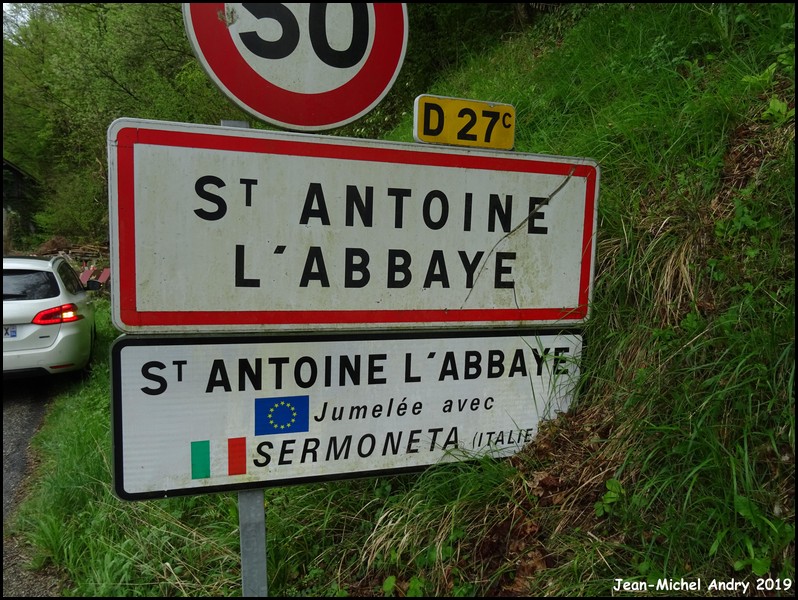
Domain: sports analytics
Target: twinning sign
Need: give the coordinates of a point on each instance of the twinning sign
(197, 415)
(221, 229)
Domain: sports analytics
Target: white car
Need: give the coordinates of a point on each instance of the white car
(48, 317)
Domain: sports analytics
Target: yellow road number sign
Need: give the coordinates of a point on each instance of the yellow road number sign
(459, 122)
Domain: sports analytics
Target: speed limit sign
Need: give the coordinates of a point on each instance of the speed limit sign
(307, 67)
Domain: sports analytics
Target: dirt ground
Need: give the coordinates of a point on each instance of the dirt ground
(19, 581)
(22, 412)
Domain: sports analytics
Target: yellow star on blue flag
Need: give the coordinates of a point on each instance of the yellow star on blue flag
(283, 414)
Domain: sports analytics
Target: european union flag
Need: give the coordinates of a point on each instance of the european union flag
(285, 414)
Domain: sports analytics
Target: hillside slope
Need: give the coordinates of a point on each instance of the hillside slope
(677, 461)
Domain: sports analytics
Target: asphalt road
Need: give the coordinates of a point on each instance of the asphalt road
(25, 403)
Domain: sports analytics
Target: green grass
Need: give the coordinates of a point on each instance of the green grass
(677, 460)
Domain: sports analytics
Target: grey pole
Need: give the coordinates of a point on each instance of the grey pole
(252, 521)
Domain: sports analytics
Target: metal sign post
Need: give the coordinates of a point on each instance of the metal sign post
(252, 522)
(252, 526)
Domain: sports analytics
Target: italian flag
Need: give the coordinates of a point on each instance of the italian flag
(201, 458)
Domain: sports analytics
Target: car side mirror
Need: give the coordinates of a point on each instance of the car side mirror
(93, 285)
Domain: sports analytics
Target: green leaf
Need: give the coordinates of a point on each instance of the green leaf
(760, 566)
(415, 588)
(716, 544)
(744, 507)
(739, 565)
(644, 567)
(389, 585)
(613, 485)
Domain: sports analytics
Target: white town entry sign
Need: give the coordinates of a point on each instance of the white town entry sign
(220, 229)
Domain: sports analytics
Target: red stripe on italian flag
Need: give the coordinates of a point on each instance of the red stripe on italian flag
(237, 456)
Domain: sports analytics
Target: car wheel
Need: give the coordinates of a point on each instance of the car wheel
(86, 370)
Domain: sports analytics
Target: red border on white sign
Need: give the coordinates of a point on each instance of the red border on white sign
(223, 61)
(123, 141)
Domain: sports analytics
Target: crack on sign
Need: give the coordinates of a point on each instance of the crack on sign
(532, 394)
(509, 233)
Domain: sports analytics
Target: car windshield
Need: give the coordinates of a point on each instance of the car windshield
(28, 285)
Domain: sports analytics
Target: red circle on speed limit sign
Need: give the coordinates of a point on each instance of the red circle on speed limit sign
(311, 66)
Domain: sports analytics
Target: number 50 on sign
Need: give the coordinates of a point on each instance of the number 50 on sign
(303, 66)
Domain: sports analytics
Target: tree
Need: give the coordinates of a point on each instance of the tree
(71, 69)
